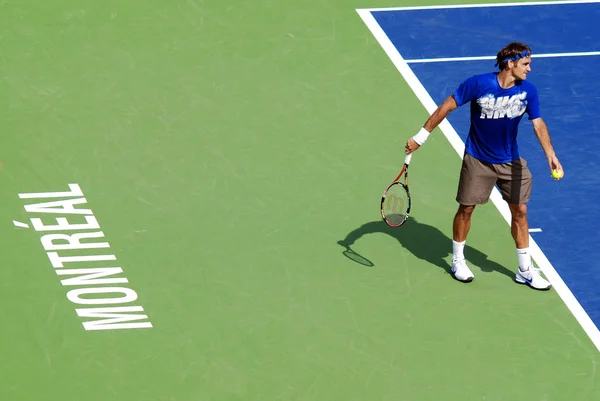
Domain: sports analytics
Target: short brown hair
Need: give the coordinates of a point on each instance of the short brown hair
(512, 51)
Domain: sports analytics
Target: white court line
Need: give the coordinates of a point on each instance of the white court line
(477, 58)
(538, 256)
(530, 3)
(535, 230)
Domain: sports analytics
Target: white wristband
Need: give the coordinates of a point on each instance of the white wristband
(421, 136)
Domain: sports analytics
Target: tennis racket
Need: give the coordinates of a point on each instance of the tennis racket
(395, 201)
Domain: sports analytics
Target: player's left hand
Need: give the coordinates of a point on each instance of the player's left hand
(555, 164)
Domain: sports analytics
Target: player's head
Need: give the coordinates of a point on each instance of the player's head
(516, 58)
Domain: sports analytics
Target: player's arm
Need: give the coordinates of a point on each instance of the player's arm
(432, 122)
(541, 131)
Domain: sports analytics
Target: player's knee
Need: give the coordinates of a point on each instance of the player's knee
(466, 210)
(519, 211)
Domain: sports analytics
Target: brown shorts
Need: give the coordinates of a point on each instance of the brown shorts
(477, 179)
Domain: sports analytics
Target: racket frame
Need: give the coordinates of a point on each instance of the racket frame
(404, 184)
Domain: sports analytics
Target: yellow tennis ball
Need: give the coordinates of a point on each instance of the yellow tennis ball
(557, 174)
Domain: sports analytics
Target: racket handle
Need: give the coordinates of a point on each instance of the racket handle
(407, 159)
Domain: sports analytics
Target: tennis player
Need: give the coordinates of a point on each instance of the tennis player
(498, 101)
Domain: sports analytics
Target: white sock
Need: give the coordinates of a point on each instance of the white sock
(524, 259)
(457, 250)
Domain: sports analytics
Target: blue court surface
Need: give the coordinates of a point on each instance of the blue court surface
(565, 38)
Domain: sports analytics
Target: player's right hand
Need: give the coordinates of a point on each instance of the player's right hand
(411, 146)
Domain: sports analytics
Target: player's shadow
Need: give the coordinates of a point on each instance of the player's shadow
(425, 242)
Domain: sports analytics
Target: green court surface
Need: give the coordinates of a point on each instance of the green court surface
(224, 149)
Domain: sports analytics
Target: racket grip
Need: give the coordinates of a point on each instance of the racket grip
(407, 159)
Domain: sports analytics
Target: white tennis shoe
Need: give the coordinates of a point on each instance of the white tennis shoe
(461, 271)
(532, 278)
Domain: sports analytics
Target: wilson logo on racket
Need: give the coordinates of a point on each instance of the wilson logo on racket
(394, 204)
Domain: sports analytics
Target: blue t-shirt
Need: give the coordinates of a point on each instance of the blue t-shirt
(495, 116)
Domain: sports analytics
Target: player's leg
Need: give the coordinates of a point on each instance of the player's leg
(519, 226)
(460, 229)
(477, 179)
(515, 183)
(462, 222)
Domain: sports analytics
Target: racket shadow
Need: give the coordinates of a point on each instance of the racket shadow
(424, 242)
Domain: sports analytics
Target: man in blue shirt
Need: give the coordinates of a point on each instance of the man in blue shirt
(498, 101)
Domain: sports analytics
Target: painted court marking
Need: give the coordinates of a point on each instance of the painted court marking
(524, 4)
(19, 224)
(478, 58)
(450, 133)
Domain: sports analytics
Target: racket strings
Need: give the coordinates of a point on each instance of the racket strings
(396, 204)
